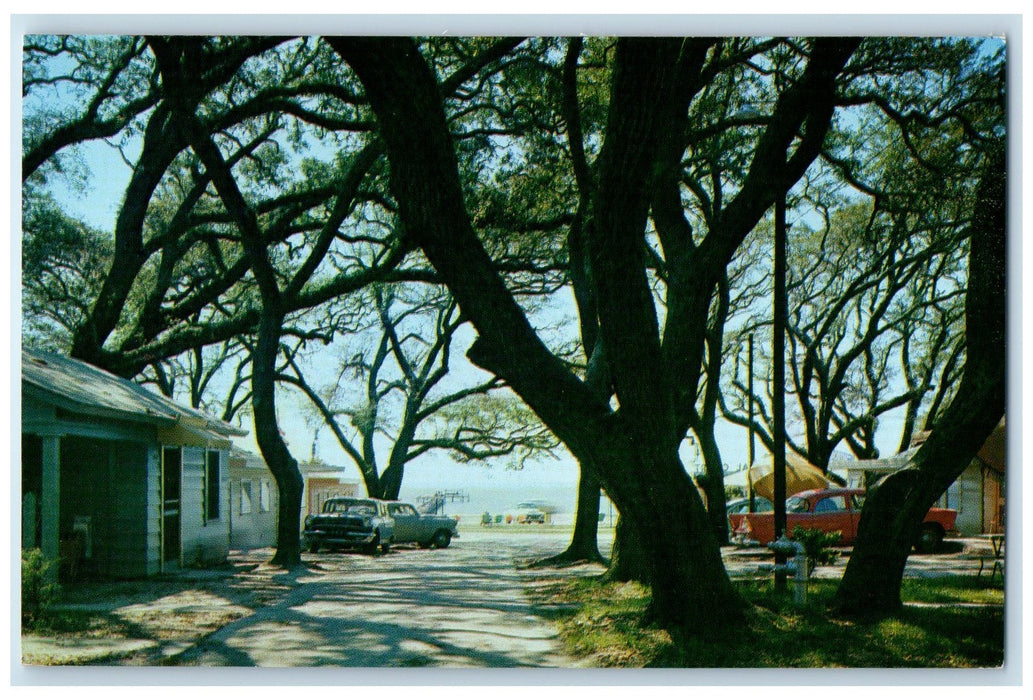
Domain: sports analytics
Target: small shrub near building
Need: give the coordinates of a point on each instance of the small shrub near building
(39, 589)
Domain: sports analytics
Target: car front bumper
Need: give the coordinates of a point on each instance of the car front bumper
(338, 538)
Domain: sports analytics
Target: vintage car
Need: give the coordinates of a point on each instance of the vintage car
(426, 530)
(833, 510)
(742, 505)
(527, 513)
(355, 523)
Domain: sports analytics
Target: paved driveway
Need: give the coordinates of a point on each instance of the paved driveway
(464, 606)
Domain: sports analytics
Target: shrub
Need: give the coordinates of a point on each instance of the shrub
(735, 492)
(816, 544)
(39, 591)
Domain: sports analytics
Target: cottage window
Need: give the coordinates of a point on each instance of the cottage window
(263, 497)
(245, 497)
(211, 486)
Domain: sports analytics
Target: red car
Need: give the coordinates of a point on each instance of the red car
(833, 510)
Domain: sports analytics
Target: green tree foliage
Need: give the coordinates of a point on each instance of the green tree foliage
(877, 288)
(63, 267)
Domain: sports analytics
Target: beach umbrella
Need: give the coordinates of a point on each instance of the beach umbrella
(801, 475)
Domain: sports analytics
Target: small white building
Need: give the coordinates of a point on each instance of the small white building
(254, 497)
(254, 502)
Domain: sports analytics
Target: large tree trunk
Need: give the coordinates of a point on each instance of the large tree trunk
(635, 450)
(628, 561)
(283, 466)
(894, 509)
(690, 586)
(714, 485)
(584, 545)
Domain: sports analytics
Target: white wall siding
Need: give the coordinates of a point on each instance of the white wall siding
(204, 541)
(257, 528)
(153, 512)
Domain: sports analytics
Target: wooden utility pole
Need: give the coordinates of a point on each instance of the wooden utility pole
(749, 407)
(778, 402)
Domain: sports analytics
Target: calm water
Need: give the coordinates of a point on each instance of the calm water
(477, 499)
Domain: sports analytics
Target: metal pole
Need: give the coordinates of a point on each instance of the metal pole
(749, 372)
(778, 388)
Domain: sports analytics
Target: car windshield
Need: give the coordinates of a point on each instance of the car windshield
(797, 505)
(358, 507)
(760, 505)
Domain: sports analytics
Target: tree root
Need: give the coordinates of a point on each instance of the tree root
(567, 559)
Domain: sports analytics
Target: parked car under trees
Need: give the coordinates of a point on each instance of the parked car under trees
(425, 529)
(834, 510)
(350, 523)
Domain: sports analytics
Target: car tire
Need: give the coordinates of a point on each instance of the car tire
(930, 539)
(385, 547)
(313, 546)
(373, 547)
(442, 538)
(426, 545)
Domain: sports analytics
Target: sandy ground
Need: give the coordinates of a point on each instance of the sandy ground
(465, 606)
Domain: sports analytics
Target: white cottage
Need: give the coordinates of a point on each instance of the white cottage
(119, 479)
(253, 501)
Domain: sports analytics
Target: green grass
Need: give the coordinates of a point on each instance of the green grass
(953, 589)
(75, 622)
(600, 622)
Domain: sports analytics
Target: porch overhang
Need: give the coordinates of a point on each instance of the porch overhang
(184, 435)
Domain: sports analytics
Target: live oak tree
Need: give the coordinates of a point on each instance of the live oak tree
(153, 301)
(63, 265)
(634, 448)
(583, 67)
(895, 507)
(220, 235)
(869, 327)
(876, 290)
(177, 60)
(409, 403)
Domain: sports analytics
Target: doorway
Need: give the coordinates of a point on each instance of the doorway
(171, 490)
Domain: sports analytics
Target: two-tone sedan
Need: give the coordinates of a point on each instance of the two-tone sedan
(833, 510)
(350, 523)
(425, 529)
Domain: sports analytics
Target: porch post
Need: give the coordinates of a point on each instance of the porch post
(50, 499)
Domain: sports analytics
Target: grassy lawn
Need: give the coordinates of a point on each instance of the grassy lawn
(600, 623)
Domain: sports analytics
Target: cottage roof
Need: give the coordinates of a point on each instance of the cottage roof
(82, 388)
(246, 459)
(993, 451)
(883, 464)
(992, 454)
